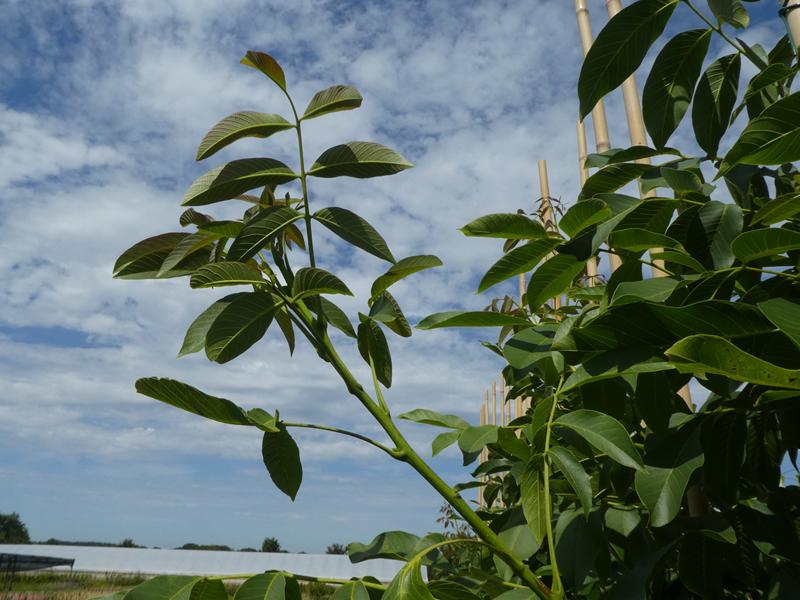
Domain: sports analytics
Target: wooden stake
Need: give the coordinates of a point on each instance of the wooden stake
(601, 138)
(598, 112)
(546, 210)
(503, 418)
(483, 422)
(494, 403)
(792, 19)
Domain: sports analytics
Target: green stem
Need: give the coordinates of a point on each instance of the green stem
(303, 177)
(330, 580)
(769, 272)
(557, 587)
(722, 34)
(641, 260)
(377, 384)
(409, 455)
(353, 434)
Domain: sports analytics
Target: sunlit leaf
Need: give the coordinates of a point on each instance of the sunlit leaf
(714, 100)
(762, 243)
(713, 354)
(191, 399)
(332, 99)
(352, 228)
(510, 226)
(226, 273)
(257, 232)
(402, 269)
(228, 181)
(240, 125)
(267, 65)
(552, 278)
(310, 281)
(456, 318)
(518, 260)
(358, 159)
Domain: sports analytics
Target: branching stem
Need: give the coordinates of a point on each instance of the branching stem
(363, 438)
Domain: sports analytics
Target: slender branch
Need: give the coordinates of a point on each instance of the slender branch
(411, 457)
(556, 586)
(363, 438)
(303, 177)
(770, 272)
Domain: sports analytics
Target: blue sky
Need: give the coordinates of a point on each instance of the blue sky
(102, 105)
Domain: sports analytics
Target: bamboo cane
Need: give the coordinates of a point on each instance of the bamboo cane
(792, 17)
(483, 422)
(599, 121)
(494, 403)
(503, 418)
(546, 210)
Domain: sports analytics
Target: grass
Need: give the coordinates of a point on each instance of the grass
(55, 585)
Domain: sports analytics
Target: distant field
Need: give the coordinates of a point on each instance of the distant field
(49, 585)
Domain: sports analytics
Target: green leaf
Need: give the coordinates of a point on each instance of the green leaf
(191, 217)
(268, 586)
(655, 324)
(373, 348)
(267, 65)
(763, 243)
(332, 99)
(713, 354)
(143, 260)
(615, 363)
(444, 440)
(221, 229)
(574, 473)
(772, 138)
(394, 545)
(618, 155)
(282, 459)
(208, 589)
(533, 499)
(611, 178)
(604, 433)
(237, 177)
(682, 181)
(336, 317)
(723, 438)
(354, 590)
(191, 399)
(516, 261)
(402, 269)
(457, 318)
(528, 346)
(777, 210)
(620, 48)
(239, 125)
(164, 587)
(662, 483)
(310, 281)
(429, 417)
(552, 278)
(196, 242)
(679, 258)
(719, 224)
(195, 339)
(583, 215)
(639, 240)
(785, 315)
(352, 228)
(714, 100)
(509, 226)
(473, 439)
(408, 583)
(239, 325)
(263, 420)
(671, 82)
(731, 12)
(226, 273)
(656, 289)
(258, 232)
(359, 159)
(386, 310)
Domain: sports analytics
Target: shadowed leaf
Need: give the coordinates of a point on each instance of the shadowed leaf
(359, 159)
(332, 99)
(240, 125)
